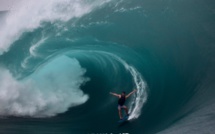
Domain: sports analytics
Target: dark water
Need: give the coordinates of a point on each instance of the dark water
(59, 62)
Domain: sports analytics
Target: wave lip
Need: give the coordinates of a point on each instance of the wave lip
(20, 20)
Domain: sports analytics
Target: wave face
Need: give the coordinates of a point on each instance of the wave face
(60, 59)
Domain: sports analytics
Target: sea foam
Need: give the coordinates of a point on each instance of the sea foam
(53, 89)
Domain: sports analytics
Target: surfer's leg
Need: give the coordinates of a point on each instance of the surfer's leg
(126, 109)
(120, 112)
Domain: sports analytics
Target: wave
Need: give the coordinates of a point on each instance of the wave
(66, 58)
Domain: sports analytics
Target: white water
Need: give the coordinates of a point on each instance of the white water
(30, 14)
(53, 89)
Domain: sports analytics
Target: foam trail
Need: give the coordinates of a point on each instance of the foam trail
(52, 89)
(33, 52)
(141, 96)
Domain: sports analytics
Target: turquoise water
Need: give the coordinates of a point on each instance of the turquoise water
(60, 59)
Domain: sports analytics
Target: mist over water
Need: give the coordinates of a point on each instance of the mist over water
(60, 59)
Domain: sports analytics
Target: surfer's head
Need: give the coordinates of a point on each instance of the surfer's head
(123, 93)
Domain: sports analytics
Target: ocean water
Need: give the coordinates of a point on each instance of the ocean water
(60, 59)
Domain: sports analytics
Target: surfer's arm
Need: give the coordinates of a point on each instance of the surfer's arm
(131, 93)
(114, 94)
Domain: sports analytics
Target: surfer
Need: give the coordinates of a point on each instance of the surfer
(122, 98)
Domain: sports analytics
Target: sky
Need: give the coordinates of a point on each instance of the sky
(8, 4)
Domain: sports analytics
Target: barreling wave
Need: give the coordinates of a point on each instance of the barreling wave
(30, 85)
(60, 59)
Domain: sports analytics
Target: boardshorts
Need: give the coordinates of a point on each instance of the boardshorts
(120, 107)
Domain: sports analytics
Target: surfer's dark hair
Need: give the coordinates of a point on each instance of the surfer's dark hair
(123, 92)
